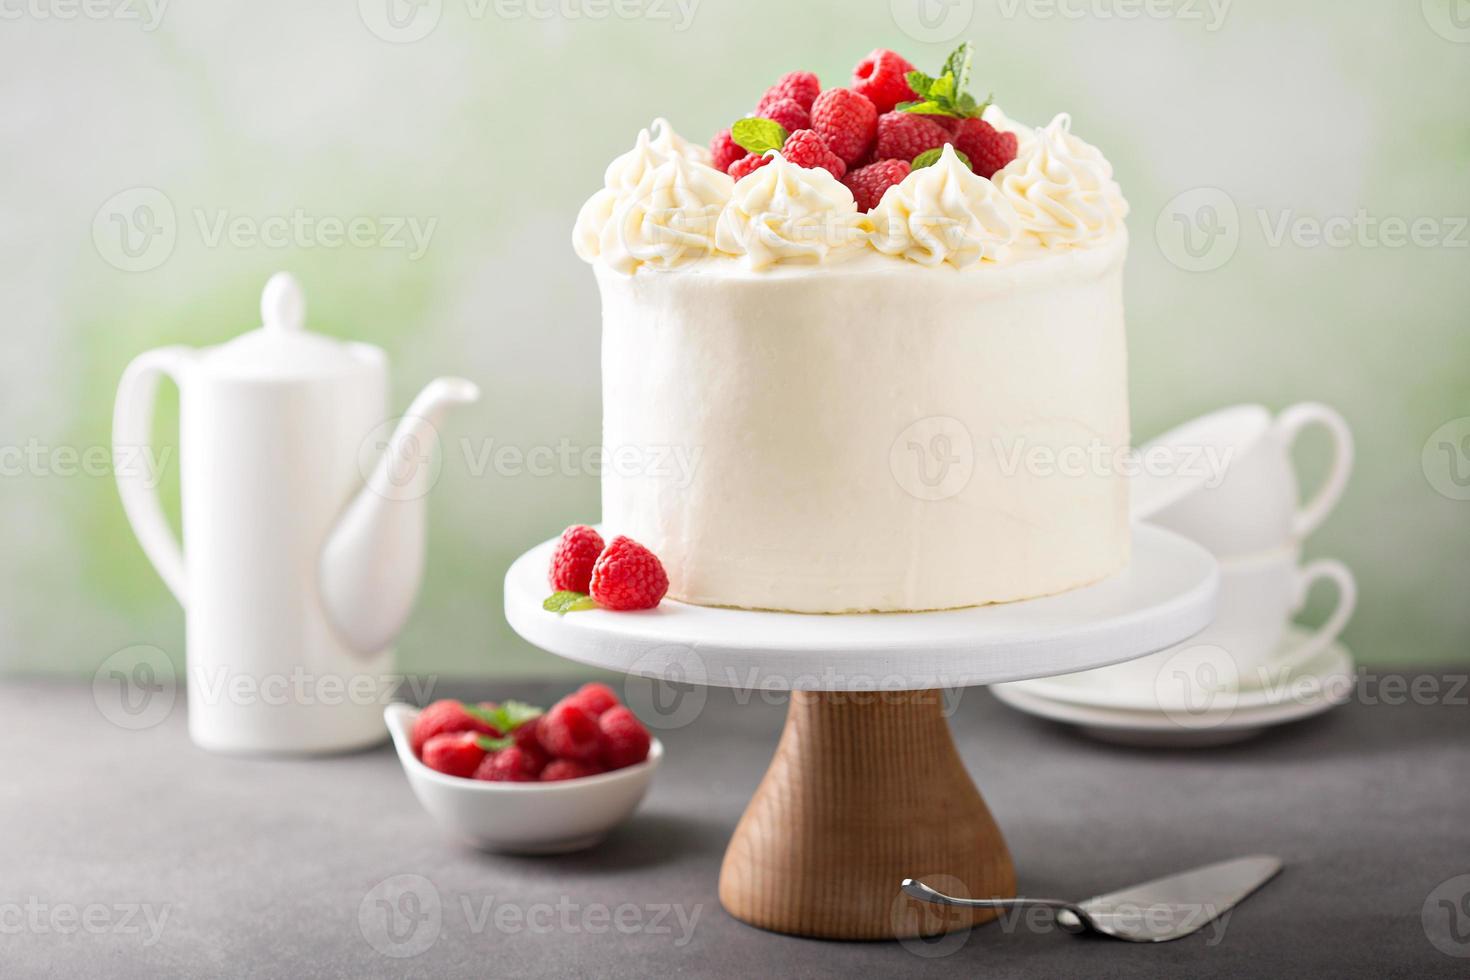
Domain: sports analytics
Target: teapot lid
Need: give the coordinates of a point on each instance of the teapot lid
(282, 349)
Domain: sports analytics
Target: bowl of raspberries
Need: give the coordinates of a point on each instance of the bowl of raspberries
(513, 778)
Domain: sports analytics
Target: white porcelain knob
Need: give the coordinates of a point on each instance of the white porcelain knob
(282, 303)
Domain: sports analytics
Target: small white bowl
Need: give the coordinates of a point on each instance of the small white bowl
(522, 818)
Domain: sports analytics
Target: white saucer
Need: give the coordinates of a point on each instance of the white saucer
(1217, 719)
(1121, 687)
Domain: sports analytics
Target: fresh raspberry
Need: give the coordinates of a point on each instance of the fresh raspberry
(787, 112)
(903, 136)
(747, 165)
(624, 739)
(880, 77)
(847, 121)
(528, 739)
(510, 765)
(527, 733)
(454, 753)
(594, 698)
(572, 561)
(869, 183)
(950, 124)
(443, 717)
(559, 769)
(988, 148)
(628, 575)
(806, 149)
(725, 150)
(568, 731)
(800, 87)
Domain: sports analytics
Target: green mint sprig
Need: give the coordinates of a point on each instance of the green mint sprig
(930, 157)
(494, 744)
(505, 717)
(758, 135)
(564, 602)
(947, 94)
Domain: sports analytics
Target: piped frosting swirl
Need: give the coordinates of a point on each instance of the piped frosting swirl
(945, 213)
(1063, 188)
(668, 219)
(662, 206)
(786, 213)
(654, 147)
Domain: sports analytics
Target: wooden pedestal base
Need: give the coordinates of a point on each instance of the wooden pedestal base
(866, 789)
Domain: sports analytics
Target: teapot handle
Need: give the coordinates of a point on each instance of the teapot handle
(132, 425)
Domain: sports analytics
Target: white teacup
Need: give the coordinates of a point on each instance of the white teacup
(1227, 480)
(1259, 596)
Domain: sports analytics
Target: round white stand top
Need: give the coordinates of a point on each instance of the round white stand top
(1164, 596)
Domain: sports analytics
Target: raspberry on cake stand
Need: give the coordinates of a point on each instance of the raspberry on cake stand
(867, 787)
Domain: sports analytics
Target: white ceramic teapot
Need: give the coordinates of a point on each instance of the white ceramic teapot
(303, 526)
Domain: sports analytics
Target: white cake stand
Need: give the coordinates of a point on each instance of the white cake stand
(866, 787)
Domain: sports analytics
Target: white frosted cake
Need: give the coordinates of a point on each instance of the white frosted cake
(914, 407)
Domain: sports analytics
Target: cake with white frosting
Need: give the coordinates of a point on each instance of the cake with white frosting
(918, 406)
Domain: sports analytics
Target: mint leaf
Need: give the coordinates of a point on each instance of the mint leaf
(930, 157)
(564, 602)
(504, 718)
(514, 714)
(924, 108)
(758, 135)
(494, 744)
(943, 89)
(919, 82)
(945, 95)
(958, 65)
(479, 713)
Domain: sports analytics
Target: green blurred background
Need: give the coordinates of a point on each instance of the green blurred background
(487, 123)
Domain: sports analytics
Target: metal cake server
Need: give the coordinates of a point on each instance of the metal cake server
(1153, 912)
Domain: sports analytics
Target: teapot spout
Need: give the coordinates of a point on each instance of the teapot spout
(373, 561)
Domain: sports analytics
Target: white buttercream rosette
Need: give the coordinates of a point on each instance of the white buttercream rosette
(785, 213)
(649, 202)
(945, 213)
(668, 219)
(1063, 188)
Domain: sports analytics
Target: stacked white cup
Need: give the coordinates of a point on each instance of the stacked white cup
(1227, 481)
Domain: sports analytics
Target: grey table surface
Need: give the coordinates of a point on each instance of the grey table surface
(133, 854)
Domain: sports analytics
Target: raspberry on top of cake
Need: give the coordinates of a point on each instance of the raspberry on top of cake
(898, 163)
